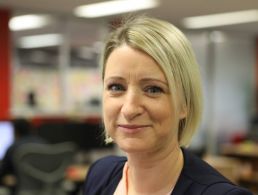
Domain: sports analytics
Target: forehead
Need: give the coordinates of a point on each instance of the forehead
(126, 60)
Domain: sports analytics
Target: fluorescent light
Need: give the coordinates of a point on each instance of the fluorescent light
(222, 19)
(26, 22)
(113, 7)
(36, 41)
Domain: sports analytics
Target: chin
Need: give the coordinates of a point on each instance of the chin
(133, 146)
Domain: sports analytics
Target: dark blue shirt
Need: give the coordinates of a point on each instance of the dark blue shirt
(196, 178)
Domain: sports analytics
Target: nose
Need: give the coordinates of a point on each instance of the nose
(132, 105)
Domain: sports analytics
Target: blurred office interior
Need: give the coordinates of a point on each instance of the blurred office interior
(50, 74)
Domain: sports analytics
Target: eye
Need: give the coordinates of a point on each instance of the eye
(114, 87)
(153, 90)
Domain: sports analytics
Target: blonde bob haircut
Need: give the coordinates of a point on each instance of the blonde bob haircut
(168, 46)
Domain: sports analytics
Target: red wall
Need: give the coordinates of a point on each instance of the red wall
(256, 74)
(4, 65)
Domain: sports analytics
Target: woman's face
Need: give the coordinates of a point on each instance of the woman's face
(137, 108)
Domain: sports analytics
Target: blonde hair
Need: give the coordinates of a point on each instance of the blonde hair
(168, 46)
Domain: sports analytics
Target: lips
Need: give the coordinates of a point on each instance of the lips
(132, 128)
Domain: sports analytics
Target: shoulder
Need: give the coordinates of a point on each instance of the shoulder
(106, 165)
(225, 188)
(198, 177)
(199, 171)
(104, 172)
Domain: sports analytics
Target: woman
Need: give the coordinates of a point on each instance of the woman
(152, 105)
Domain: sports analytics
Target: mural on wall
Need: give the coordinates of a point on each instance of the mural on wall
(36, 90)
(84, 88)
(39, 90)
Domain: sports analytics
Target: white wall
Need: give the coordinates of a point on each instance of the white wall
(228, 69)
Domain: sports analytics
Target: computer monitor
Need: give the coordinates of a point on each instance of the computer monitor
(6, 137)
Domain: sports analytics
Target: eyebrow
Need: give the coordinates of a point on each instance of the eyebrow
(154, 79)
(143, 80)
(114, 78)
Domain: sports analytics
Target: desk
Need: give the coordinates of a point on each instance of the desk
(247, 154)
(77, 173)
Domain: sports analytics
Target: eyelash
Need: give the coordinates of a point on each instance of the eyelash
(115, 87)
(150, 90)
(153, 90)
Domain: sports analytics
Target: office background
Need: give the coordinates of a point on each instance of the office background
(61, 81)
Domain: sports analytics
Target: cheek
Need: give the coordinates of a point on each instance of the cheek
(165, 116)
(110, 112)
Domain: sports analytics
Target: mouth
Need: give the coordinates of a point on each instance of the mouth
(132, 128)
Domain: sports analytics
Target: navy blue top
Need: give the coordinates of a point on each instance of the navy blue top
(196, 178)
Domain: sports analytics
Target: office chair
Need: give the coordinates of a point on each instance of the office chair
(41, 168)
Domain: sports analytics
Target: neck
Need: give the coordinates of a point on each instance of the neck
(154, 174)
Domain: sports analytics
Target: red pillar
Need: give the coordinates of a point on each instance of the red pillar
(5, 65)
(256, 74)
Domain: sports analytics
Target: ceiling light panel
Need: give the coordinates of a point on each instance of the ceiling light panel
(113, 7)
(222, 19)
(26, 22)
(37, 41)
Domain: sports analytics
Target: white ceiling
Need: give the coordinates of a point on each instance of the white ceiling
(171, 10)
